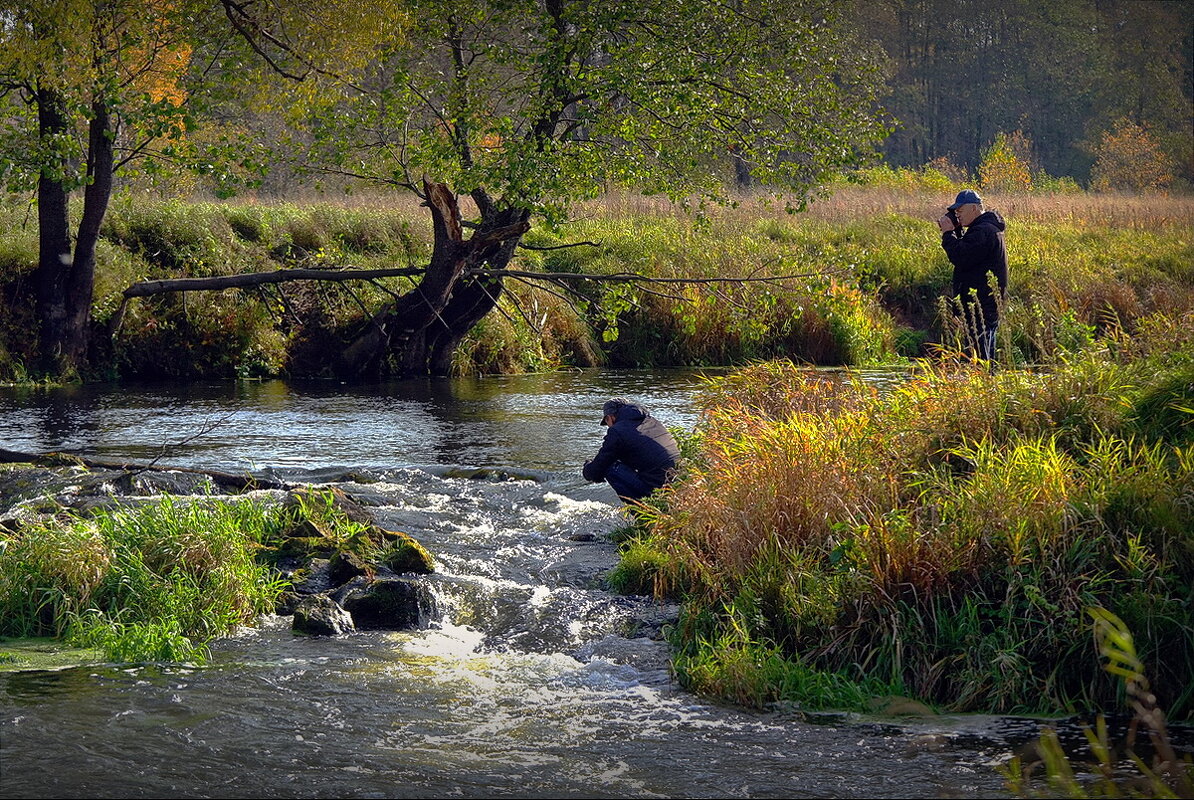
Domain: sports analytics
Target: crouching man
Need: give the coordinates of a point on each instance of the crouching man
(638, 455)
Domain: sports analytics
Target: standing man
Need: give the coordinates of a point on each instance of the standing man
(974, 252)
(638, 455)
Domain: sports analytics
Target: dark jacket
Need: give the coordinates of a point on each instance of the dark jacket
(975, 253)
(639, 441)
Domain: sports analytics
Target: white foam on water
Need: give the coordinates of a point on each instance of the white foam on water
(448, 641)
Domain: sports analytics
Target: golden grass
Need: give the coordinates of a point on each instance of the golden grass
(851, 203)
(844, 204)
(947, 533)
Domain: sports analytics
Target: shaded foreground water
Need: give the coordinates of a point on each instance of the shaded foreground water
(536, 682)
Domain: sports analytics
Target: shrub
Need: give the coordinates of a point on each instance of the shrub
(1128, 157)
(1005, 165)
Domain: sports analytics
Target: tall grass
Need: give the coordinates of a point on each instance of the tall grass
(1082, 267)
(152, 582)
(1165, 775)
(942, 540)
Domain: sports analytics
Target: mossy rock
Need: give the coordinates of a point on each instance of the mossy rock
(346, 565)
(310, 529)
(305, 547)
(327, 523)
(391, 604)
(403, 553)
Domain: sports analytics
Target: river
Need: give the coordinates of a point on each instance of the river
(536, 683)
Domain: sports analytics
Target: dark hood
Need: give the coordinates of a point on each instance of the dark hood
(632, 412)
(991, 218)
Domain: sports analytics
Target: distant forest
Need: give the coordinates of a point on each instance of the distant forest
(1063, 72)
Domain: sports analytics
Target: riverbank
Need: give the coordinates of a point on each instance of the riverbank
(869, 274)
(942, 541)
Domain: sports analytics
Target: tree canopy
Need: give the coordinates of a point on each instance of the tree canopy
(89, 86)
(528, 106)
(534, 104)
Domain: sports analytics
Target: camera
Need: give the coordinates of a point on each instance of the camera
(953, 217)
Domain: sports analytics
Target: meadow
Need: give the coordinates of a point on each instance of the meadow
(867, 278)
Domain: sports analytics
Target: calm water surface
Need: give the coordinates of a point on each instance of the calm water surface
(536, 683)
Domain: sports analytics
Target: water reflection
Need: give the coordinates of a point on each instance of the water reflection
(52, 420)
(547, 422)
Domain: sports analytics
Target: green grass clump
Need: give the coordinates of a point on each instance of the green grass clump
(941, 541)
(152, 582)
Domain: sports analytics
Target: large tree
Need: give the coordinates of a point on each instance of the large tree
(521, 108)
(80, 78)
(90, 86)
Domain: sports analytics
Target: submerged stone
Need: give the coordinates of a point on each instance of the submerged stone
(320, 615)
(486, 474)
(43, 653)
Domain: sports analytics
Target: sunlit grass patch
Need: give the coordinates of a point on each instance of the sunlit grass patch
(156, 581)
(942, 538)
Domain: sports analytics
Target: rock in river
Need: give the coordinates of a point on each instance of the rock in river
(321, 615)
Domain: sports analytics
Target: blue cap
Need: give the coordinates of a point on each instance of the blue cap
(965, 197)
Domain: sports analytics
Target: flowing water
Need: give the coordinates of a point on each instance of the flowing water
(536, 682)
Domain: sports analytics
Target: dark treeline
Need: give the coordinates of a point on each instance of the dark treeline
(959, 72)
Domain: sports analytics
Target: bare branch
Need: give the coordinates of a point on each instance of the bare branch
(540, 287)
(146, 288)
(251, 30)
(207, 427)
(525, 246)
(634, 277)
(242, 22)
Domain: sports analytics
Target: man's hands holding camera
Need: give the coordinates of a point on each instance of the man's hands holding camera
(949, 222)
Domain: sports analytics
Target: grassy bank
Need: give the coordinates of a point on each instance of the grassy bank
(942, 541)
(154, 582)
(161, 579)
(869, 266)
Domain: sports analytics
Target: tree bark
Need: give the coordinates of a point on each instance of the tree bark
(101, 164)
(54, 250)
(65, 282)
(420, 330)
(472, 299)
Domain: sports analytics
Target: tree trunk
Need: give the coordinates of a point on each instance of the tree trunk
(419, 331)
(64, 284)
(80, 287)
(54, 251)
(473, 298)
